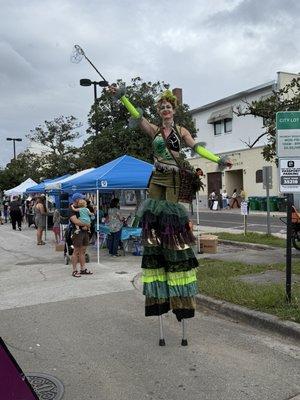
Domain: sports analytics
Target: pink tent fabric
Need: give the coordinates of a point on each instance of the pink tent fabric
(13, 383)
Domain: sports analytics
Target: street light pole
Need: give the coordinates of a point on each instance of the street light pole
(88, 82)
(95, 92)
(14, 140)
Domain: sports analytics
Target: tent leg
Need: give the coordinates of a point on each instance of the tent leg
(98, 222)
(46, 218)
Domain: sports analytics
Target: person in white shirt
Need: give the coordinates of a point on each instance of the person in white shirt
(225, 199)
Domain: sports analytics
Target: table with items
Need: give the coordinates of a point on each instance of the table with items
(129, 236)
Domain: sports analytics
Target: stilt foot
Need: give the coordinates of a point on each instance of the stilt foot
(184, 342)
(162, 342)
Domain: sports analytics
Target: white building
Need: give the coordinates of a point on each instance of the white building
(227, 134)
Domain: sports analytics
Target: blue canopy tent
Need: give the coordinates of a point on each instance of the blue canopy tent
(40, 188)
(123, 173)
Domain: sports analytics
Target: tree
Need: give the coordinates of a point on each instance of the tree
(26, 165)
(110, 133)
(56, 136)
(286, 99)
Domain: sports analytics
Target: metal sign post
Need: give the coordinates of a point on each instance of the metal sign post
(244, 212)
(267, 184)
(198, 225)
(288, 153)
(288, 281)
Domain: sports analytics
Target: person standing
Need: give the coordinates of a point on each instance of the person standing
(168, 263)
(224, 200)
(234, 199)
(243, 195)
(80, 240)
(56, 224)
(5, 210)
(115, 224)
(40, 215)
(15, 212)
(212, 198)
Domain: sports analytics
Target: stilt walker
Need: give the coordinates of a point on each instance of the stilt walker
(168, 262)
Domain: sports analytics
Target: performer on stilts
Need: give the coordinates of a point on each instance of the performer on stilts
(168, 264)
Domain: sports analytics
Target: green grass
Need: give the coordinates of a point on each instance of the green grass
(217, 279)
(252, 237)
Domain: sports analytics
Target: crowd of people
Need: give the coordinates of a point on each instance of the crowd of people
(224, 201)
(81, 225)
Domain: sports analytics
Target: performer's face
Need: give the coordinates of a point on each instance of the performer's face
(166, 110)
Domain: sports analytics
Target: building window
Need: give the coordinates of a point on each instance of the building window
(223, 126)
(228, 125)
(259, 176)
(218, 128)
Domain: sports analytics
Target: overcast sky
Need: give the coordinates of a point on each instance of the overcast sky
(209, 48)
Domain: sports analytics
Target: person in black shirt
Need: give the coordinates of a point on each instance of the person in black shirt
(15, 211)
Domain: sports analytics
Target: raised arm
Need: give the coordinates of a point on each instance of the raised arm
(203, 152)
(136, 113)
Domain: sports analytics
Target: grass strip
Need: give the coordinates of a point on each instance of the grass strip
(252, 237)
(218, 279)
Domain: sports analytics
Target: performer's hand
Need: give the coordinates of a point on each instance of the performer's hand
(112, 89)
(116, 91)
(229, 164)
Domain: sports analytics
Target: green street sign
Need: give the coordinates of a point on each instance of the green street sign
(288, 134)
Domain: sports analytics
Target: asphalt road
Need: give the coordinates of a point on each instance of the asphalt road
(234, 220)
(92, 335)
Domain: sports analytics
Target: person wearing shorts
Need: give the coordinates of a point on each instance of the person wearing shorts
(80, 240)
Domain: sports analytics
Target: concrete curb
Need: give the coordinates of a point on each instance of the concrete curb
(252, 317)
(247, 245)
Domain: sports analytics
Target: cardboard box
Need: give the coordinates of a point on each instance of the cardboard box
(209, 243)
(60, 247)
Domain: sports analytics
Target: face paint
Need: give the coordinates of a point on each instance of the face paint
(165, 107)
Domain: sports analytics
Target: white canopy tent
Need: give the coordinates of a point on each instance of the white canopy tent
(57, 185)
(20, 189)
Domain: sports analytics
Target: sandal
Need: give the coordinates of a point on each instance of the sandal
(86, 272)
(40, 243)
(76, 274)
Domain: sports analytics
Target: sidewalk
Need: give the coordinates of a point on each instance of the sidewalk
(41, 270)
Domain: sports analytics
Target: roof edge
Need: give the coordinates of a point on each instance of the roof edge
(270, 84)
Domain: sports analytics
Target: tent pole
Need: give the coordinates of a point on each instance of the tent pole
(46, 217)
(98, 222)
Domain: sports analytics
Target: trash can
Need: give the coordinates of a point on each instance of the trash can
(273, 203)
(281, 201)
(262, 203)
(253, 203)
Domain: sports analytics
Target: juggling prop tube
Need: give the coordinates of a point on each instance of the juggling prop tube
(206, 153)
(130, 107)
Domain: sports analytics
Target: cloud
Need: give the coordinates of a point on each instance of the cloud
(210, 49)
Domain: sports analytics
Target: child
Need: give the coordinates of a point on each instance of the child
(85, 215)
(56, 225)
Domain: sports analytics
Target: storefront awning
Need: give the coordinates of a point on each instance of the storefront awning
(219, 115)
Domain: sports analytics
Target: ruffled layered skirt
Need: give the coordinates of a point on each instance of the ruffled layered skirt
(168, 263)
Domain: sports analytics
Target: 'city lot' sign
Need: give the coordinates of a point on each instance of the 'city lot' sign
(288, 134)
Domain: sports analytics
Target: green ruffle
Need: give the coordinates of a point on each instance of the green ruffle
(172, 278)
(155, 262)
(165, 209)
(169, 254)
(161, 290)
(158, 290)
